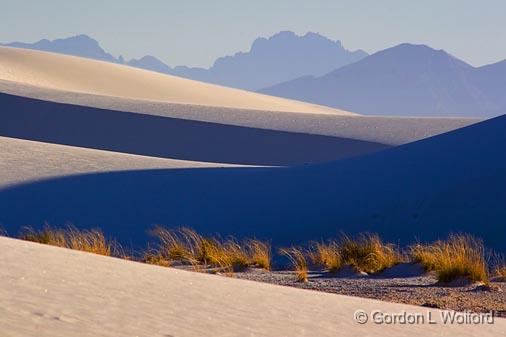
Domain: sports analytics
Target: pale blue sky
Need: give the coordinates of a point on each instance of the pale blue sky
(197, 32)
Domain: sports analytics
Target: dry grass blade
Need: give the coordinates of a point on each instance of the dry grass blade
(298, 260)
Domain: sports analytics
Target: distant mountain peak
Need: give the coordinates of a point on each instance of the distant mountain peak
(275, 59)
(78, 45)
(407, 80)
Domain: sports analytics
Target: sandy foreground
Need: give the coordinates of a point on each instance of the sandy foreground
(49, 291)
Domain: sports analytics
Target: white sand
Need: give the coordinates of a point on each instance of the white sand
(77, 74)
(49, 291)
(380, 129)
(24, 161)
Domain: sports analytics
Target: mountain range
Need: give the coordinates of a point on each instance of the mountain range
(407, 79)
(282, 57)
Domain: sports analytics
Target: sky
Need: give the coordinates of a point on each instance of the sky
(195, 33)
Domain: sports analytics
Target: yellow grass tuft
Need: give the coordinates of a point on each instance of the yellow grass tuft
(297, 258)
(326, 255)
(92, 241)
(187, 246)
(460, 256)
(368, 253)
(259, 253)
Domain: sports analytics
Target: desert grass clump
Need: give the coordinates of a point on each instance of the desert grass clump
(461, 256)
(326, 255)
(187, 246)
(298, 261)
(368, 253)
(183, 245)
(259, 253)
(235, 255)
(47, 235)
(92, 241)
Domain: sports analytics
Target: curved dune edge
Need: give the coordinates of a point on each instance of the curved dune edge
(75, 74)
(60, 292)
(24, 161)
(379, 129)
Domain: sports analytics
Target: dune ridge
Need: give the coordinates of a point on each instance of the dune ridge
(75, 74)
(27, 161)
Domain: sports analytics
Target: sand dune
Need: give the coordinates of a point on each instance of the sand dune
(57, 292)
(168, 137)
(384, 130)
(452, 182)
(24, 161)
(70, 73)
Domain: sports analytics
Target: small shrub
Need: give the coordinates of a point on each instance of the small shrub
(368, 253)
(298, 260)
(460, 256)
(326, 255)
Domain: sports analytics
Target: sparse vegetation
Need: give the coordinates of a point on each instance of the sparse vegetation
(92, 241)
(187, 246)
(368, 253)
(297, 258)
(459, 256)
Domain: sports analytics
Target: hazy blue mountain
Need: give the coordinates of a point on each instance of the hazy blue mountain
(80, 45)
(273, 60)
(282, 57)
(149, 62)
(408, 79)
(491, 79)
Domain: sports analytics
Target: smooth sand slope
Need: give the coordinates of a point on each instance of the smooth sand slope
(23, 161)
(167, 137)
(49, 291)
(383, 130)
(423, 190)
(77, 74)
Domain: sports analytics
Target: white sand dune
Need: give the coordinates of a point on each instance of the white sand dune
(453, 182)
(49, 291)
(70, 73)
(377, 129)
(23, 161)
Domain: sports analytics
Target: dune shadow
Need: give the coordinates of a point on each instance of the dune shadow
(167, 137)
